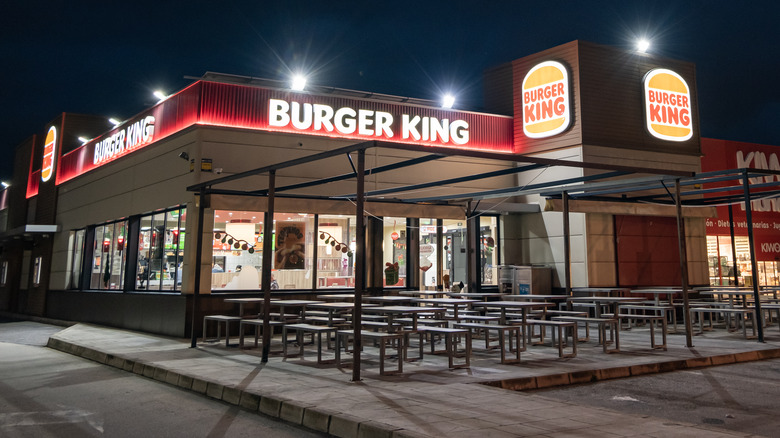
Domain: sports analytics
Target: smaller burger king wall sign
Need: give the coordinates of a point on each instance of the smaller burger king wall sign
(668, 105)
(546, 107)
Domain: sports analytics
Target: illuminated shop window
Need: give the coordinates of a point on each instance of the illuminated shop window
(109, 256)
(488, 249)
(4, 273)
(336, 251)
(37, 267)
(161, 251)
(394, 242)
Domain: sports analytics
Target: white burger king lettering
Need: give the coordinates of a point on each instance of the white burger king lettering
(314, 117)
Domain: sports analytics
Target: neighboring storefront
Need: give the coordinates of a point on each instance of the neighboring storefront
(116, 242)
(728, 249)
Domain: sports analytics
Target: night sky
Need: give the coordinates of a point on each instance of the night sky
(107, 58)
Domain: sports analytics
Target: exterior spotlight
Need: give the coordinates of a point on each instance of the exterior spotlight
(83, 140)
(114, 122)
(5, 184)
(184, 156)
(642, 45)
(448, 101)
(160, 95)
(298, 83)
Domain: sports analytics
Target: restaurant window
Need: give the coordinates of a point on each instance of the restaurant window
(336, 251)
(109, 256)
(455, 250)
(394, 251)
(427, 255)
(161, 250)
(37, 268)
(4, 273)
(488, 247)
(76, 254)
(237, 250)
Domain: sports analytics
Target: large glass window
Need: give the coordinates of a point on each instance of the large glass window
(455, 250)
(335, 251)
(108, 256)
(77, 252)
(237, 250)
(394, 251)
(721, 263)
(161, 251)
(427, 254)
(488, 240)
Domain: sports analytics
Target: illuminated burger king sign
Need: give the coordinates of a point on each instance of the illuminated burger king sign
(668, 105)
(47, 167)
(546, 107)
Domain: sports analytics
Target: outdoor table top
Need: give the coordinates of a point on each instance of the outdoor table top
(338, 297)
(513, 304)
(483, 295)
(403, 309)
(295, 302)
(656, 291)
(388, 299)
(606, 299)
(535, 297)
(445, 301)
(242, 301)
(339, 305)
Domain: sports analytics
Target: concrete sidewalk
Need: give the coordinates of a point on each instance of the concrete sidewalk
(428, 399)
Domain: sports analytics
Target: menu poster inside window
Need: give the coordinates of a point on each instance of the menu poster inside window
(290, 245)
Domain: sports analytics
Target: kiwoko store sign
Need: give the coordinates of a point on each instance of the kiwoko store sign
(236, 106)
(721, 154)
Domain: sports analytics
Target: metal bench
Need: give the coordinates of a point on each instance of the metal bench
(257, 324)
(451, 346)
(728, 312)
(603, 324)
(300, 329)
(504, 332)
(382, 339)
(220, 320)
(561, 326)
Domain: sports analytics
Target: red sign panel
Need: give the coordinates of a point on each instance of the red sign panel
(722, 154)
(218, 104)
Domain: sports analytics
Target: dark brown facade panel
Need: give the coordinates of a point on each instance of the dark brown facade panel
(498, 90)
(612, 97)
(17, 201)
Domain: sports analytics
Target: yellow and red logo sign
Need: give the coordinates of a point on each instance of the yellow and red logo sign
(546, 107)
(47, 167)
(668, 105)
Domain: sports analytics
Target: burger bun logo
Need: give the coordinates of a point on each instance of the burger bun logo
(546, 107)
(47, 166)
(667, 105)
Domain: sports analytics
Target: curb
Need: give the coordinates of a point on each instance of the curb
(320, 420)
(591, 376)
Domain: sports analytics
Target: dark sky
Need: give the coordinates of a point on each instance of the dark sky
(106, 58)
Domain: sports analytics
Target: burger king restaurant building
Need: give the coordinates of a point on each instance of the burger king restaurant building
(108, 231)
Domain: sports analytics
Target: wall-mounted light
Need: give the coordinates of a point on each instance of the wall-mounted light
(83, 140)
(5, 184)
(184, 156)
(114, 121)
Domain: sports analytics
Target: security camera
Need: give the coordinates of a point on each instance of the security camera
(184, 156)
(300, 144)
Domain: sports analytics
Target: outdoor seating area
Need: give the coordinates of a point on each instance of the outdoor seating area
(407, 332)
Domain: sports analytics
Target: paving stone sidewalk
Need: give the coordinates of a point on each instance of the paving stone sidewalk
(424, 402)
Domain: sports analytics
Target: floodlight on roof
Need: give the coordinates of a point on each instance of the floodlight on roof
(160, 95)
(447, 101)
(84, 140)
(114, 121)
(298, 82)
(642, 45)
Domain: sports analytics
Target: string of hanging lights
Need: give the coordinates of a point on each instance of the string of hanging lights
(338, 246)
(234, 242)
